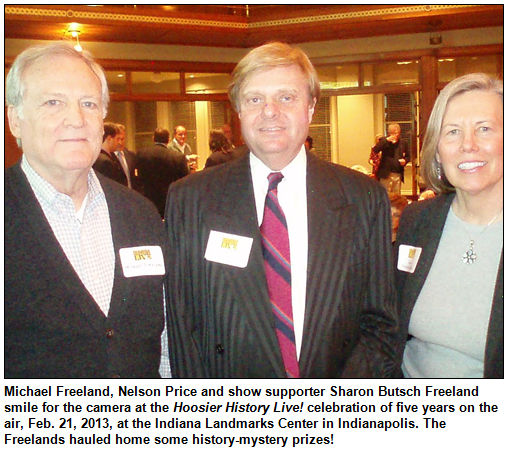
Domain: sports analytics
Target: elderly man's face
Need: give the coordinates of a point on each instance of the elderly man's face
(275, 113)
(60, 123)
(181, 135)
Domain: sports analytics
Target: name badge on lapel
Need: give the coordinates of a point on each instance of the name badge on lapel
(408, 256)
(228, 249)
(142, 261)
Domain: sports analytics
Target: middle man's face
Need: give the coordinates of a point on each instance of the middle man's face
(275, 113)
(181, 135)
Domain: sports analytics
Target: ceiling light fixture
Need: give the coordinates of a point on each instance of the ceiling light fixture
(73, 33)
(435, 37)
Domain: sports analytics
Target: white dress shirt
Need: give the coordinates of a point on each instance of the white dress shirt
(185, 148)
(123, 161)
(85, 236)
(292, 196)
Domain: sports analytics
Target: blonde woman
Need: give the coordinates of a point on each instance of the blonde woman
(449, 273)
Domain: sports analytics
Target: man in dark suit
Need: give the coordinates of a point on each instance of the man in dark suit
(107, 162)
(128, 160)
(316, 299)
(159, 166)
(83, 255)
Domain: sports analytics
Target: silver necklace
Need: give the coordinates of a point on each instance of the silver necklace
(470, 256)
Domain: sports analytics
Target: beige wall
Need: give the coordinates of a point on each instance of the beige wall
(319, 52)
(355, 129)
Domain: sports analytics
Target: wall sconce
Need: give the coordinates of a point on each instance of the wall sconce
(72, 33)
(435, 38)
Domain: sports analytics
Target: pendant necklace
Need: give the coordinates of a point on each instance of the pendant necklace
(469, 256)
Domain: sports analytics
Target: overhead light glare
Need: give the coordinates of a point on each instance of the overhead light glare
(73, 33)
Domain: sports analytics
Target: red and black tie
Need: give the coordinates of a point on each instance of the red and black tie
(276, 253)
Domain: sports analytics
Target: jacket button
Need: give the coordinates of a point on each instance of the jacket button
(109, 333)
(219, 349)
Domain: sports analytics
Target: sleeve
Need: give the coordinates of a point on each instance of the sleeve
(183, 167)
(380, 145)
(186, 356)
(374, 356)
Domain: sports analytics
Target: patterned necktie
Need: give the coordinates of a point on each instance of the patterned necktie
(123, 162)
(276, 253)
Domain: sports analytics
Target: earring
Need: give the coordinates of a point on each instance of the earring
(439, 171)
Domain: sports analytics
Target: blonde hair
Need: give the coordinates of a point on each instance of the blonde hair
(431, 170)
(271, 56)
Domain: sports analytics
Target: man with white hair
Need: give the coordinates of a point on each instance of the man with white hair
(83, 254)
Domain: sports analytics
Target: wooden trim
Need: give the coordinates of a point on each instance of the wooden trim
(429, 78)
(384, 57)
(382, 89)
(226, 68)
(156, 66)
(168, 97)
(165, 66)
(488, 49)
(182, 83)
(128, 82)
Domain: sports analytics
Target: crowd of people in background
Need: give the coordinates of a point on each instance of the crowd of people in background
(270, 262)
(152, 169)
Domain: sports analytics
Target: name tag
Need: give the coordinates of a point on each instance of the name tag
(228, 249)
(408, 256)
(142, 261)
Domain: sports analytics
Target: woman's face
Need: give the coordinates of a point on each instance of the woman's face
(471, 143)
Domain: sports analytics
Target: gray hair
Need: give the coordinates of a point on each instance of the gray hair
(393, 127)
(14, 85)
(431, 170)
(271, 56)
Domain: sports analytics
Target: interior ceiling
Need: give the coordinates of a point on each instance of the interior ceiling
(241, 26)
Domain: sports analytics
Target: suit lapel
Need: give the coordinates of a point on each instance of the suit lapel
(427, 237)
(234, 212)
(122, 286)
(331, 222)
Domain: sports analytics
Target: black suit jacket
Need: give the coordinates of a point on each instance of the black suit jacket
(221, 321)
(109, 166)
(53, 327)
(158, 167)
(220, 157)
(421, 225)
(391, 153)
(132, 163)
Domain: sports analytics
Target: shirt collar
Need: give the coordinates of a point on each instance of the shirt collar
(295, 170)
(47, 193)
(178, 144)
